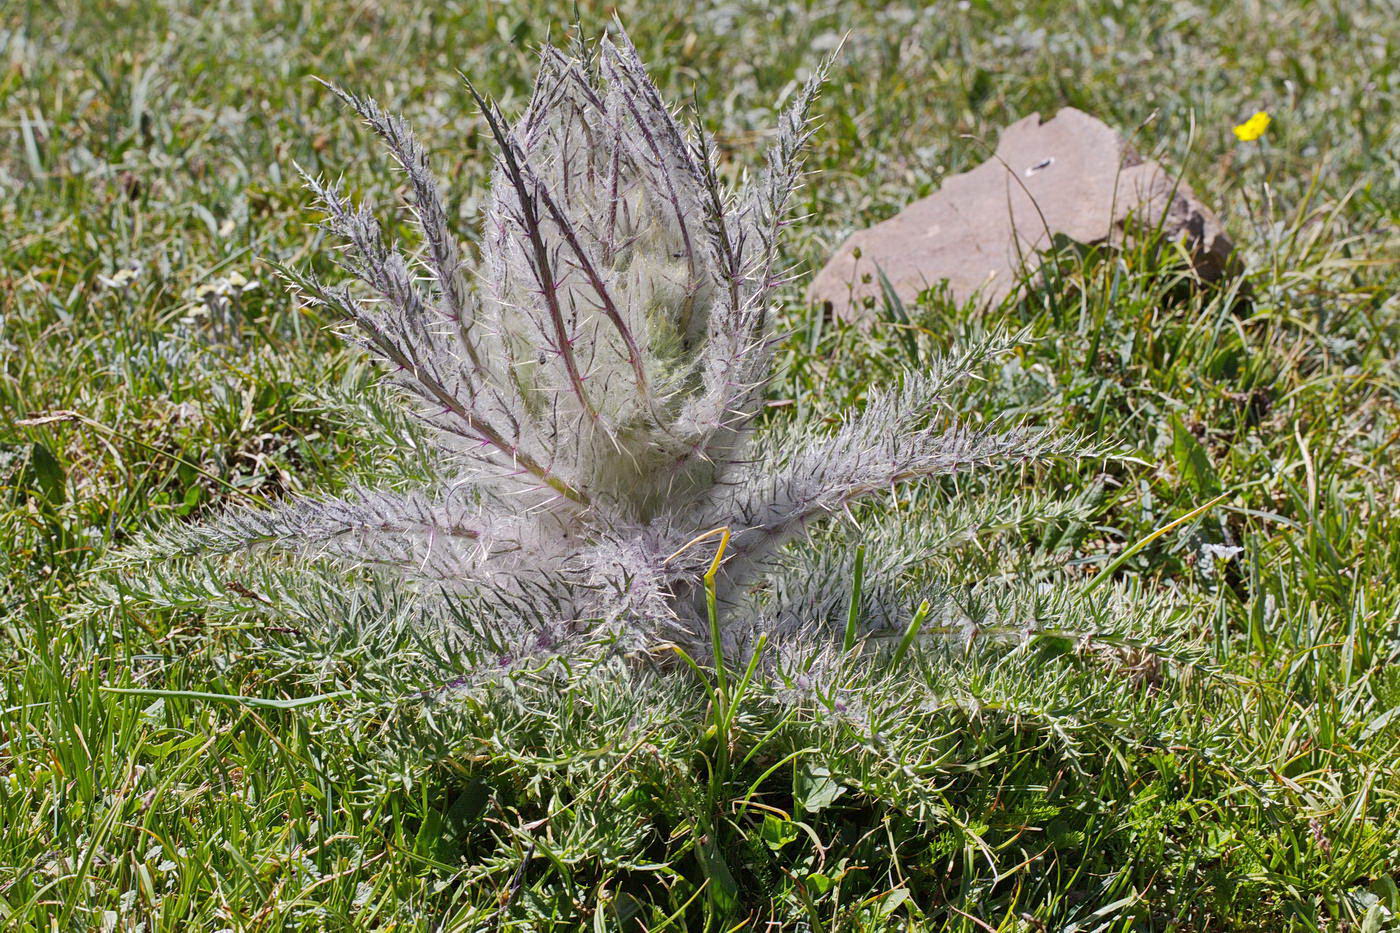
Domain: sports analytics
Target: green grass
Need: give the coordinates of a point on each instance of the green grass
(1226, 760)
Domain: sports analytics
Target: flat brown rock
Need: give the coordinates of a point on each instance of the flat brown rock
(983, 230)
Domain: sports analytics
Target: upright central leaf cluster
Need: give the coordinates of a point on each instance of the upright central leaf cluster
(623, 321)
(592, 387)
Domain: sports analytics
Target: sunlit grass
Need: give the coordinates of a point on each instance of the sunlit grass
(1224, 762)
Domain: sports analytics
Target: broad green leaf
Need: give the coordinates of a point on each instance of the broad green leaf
(1193, 461)
(817, 789)
(777, 832)
(48, 474)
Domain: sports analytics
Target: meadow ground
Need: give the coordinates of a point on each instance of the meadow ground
(1233, 766)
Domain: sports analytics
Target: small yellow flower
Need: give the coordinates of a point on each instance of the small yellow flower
(1253, 128)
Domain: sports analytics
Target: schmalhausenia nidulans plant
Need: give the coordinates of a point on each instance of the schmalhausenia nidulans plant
(590, 385)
